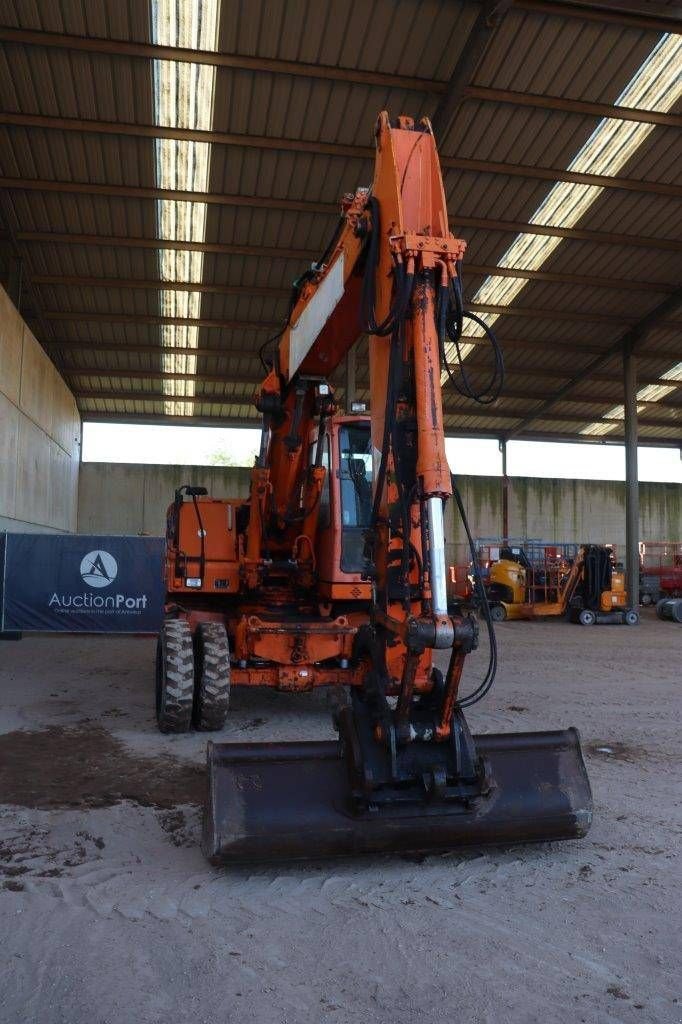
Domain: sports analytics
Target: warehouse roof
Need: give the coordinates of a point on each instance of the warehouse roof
(165, 177)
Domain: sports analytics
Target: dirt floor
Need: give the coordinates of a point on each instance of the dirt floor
(109, 912)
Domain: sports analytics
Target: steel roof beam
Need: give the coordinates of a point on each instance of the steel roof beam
(570, 106)
(656, 17)
(132, 242)
(235, 61)
(85, 316)
(660, 16)
(631, 340)
(141, 192)
(475, 46)
(265, 142)
(577, 234)
(227, 350)
(361, 380)
(90, 416)
(585, 280)
(273, 252)
(332, 209)
(448, 409)
(123, 283)
(251, 383)
(581, 280)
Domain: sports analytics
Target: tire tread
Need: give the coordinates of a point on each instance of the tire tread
(175, 677)
(213, 677)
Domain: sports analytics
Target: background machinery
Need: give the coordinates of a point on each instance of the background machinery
(587, 588)
(660, 570)
(325, 577)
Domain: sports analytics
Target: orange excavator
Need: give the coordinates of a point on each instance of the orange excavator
(333, 571)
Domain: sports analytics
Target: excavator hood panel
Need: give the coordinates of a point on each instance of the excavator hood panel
(289, 801)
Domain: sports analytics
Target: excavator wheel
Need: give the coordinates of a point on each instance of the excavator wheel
(587, 617)
(498, 613)
(631, 617)
(212, 692)
(174, 676)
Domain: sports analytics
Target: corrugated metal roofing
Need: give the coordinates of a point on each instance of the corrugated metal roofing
(95, 305)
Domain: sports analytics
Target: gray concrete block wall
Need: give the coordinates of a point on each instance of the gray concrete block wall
(133, 499)
(40, 434)
(566, 510)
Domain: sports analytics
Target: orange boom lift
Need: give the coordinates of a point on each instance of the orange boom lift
(333, 571)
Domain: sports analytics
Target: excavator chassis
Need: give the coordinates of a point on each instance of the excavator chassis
(292, 801)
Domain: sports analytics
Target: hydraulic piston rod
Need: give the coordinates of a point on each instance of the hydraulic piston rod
(434, 518)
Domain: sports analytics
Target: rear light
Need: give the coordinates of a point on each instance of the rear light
(192, 581)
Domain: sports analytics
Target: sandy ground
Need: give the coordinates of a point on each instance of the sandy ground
(110, 914)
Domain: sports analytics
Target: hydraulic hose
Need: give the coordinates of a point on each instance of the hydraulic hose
(202, 539)
(450, 323)
(484, 687)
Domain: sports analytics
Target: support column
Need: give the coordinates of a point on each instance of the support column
(505, 491)
(631, 478)
(350, 377)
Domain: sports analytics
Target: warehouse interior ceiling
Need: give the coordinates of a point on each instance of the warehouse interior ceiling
(167, 169)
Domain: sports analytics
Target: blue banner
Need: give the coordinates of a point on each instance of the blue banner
(73, 583)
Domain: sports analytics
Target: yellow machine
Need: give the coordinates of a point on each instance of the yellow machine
(589, 589)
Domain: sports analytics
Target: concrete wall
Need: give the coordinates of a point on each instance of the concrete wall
(40, 431)
(568, 510)
(133, 499)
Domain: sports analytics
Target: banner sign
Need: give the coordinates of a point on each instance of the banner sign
(73, 583)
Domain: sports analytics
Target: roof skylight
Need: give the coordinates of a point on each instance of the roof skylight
(183, 98)
(650, 393)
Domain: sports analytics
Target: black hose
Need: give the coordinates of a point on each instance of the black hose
(202, 541)
(368, 297)
(394, 376)
(450, 319)
(484, 687)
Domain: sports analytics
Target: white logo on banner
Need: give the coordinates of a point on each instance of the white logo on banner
(99, 569)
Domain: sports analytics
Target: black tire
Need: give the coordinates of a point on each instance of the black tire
(587, 617)
(631, 617)
(212, 695)
(174, 677)
(498, 613)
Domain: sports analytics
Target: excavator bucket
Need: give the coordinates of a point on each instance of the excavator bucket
(290, 801)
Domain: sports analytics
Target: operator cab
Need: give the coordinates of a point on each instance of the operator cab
(346, 502)
(355, 491)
